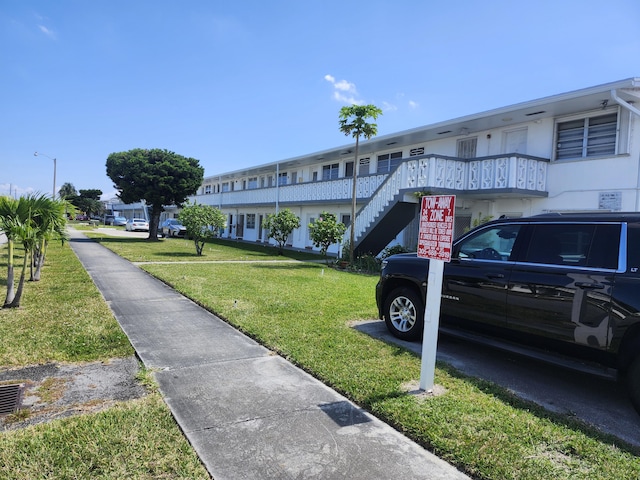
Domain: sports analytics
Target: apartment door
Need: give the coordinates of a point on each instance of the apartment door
(260, 219)
(240, 227)
(515, 141)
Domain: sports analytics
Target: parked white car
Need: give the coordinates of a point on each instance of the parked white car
(136, 225)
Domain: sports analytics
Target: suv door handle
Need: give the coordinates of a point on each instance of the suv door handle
(595, 286)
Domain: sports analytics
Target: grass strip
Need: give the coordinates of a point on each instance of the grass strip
(62, 317)
(137, 439)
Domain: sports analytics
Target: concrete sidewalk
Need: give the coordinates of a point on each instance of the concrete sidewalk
(248, 413)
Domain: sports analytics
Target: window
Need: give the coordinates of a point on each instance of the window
(225, 187)
(348, 169)
(493, 243)
(364, 166)
(345, 218)
(594, 246)
(282, 178)
(311, 220)
(466, 147)
(207, 189)
(587, 137)
(330, 172)
(251, 221)
(253, 182)
(388, 161)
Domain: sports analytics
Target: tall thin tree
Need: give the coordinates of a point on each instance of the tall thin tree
(353, 121)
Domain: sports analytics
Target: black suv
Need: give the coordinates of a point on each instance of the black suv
(568, 284)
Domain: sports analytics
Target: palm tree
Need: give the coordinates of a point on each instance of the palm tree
(10, 211)
(353, 122)
(50, 223)
(27, 234)
(67, 190)
(32, 221)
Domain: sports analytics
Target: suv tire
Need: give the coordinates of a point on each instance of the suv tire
(404, 313)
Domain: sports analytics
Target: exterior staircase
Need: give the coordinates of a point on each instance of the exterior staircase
(394, 204)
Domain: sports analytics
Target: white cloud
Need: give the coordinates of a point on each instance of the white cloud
(387, 107)
(344, 91)
(345, 86)
(346, 99)
(413, 104)
(47, 32)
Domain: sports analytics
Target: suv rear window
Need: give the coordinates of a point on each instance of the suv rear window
(584, 245)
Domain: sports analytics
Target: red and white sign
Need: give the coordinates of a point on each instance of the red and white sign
(436, 227)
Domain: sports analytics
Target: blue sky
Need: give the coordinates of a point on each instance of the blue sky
(242, 83)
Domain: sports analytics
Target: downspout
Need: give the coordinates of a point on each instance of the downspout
(632, 109)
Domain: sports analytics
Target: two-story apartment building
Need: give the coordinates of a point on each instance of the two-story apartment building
(577, 151)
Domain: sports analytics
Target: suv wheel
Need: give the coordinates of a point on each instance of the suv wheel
(404, 313)
(633, 383)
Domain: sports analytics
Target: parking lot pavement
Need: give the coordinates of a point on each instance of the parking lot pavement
(594, 400)
(120, 232)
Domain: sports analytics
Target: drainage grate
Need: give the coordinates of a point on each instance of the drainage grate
(10, 398)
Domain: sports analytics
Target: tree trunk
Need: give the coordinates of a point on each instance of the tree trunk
(41, 256)
(154, 222)
(10, 291)
(39, 262)
(15, 303)
(352, 235)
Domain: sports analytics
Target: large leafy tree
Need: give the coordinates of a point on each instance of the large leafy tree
(202, 222)
(88, 201)
(353, 121)
(280, 225)
(325, 231)
(159, 177)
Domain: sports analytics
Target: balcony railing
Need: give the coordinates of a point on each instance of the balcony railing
(339, 189)
(497, 173)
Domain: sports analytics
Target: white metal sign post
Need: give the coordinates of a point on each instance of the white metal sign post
(435, 239)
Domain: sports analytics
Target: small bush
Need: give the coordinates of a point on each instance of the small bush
(395, 249)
